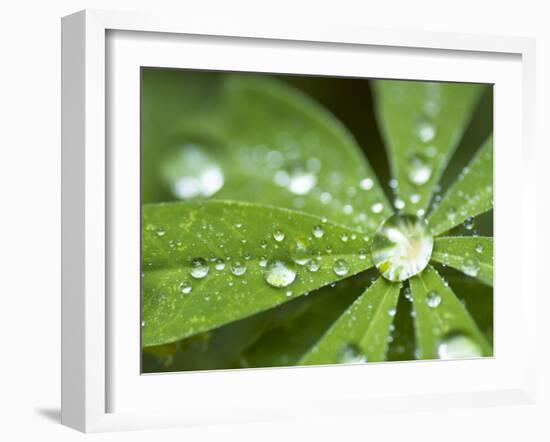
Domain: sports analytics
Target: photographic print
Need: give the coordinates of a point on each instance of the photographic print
(307, 220)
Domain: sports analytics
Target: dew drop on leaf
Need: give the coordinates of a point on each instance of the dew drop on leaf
(341, 267)
(402, 247)
(219, 264)
(425, 130)
(238, 268)
(313, 265)
(185, 287)
(318, 232)
(479, 248)
(470, 266)
(278, 235)
(419, 171)
(199, 268)
(433, 299)
(392, 311)
(351, 354)
(344, 237)
(366, 184)
(280, 273)
(458, 346)
(362, 254)
(377, 207)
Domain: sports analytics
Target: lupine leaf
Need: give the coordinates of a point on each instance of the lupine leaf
(470, 195)
(471, 255)
(180, 237)
(443, 327)
(258, 130)
(422, 123)
(361, 333)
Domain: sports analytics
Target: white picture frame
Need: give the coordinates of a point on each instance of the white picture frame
(95, 369)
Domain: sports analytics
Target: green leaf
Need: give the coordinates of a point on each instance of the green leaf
(223, 238)
(259, 130)
(292, 337)
(470, 195)
(361, 333)
(422, 124)
(471, 255)
(443, 326)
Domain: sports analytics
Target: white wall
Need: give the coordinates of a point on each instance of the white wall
(30, 221)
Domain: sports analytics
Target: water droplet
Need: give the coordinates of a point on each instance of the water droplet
(313, 265)
(433, 299)
(191, 172)
(399, 203)
(479, 248)
(238, 268)
(160, 231)
(451, 213)
(263, 261)
(366, 184)
(318, 232)
(392, 311)
(219, 264)
(263, 244)
(425, 130)
(185, 287)
(470, 266)
(419, 171)
(199, 268)
(344, 237)
(280, 273)
(362, 254)
(402, 247)
(458, 346)
(325, 197)
(393, 183)
(377, 207)
(347, 209)
(469, 223)
(278, 235)
(351, 354)
(341, 267)
(301, 182)
(414, 198)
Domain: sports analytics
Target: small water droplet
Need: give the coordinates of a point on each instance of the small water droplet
(433, 299)
(392, 311)
(377, 207)
(341, 267)
(366, 183)
(278, 235)
(185, 287)
(263, 244)
(425, 130)
(469, 223)
(347, 209)
(470, 266)
(399, 203)
(262, 261)
(458, 346)
(325, 198)
(414, 198)
(199, 268)
(301, 182)
(238, 268)
(362, 254)
(479, 248)
(344, 237)
(219, 264)
(419, 171)
(160, 231)
(393, 183)
(313, 265)
(318, 232)
(351, 354)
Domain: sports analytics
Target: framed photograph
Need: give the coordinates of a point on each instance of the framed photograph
(251, 214)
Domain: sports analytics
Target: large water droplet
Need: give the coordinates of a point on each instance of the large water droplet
(341, 267)
(238, 268)
(420, 170)
(199, 268)
(191, 172)
(280, 273)
(458, 346)
(402, 247)
(433, 299)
